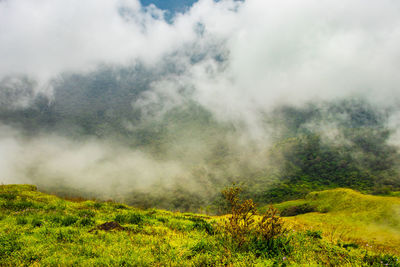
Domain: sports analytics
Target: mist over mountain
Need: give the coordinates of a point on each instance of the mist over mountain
(110, 99)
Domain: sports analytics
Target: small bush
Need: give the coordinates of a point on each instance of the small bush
(271, 225)
(241, 226)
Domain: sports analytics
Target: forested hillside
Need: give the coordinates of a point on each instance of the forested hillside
(319, 145)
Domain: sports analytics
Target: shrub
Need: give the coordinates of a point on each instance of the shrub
(242, 227)
(271, 225)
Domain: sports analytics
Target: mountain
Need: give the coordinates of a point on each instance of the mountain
(162, 146)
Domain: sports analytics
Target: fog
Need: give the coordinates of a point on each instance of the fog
(111, 97)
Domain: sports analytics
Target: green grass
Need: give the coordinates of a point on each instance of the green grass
(56, 232)
(344, 215)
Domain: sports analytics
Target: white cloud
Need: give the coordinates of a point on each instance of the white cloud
(286, 51)
(276, 51)
(43, 38)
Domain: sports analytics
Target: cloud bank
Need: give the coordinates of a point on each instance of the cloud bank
(272, 49)
(237, 59)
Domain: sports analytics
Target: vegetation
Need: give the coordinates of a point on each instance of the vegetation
(348, 217)
(311, 147)
(244, 228)
(343, 144)
(47, 230)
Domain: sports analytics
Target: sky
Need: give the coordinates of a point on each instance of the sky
(240, 57)
(172, 5)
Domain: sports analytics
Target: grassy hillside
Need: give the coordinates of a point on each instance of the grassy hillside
(372, 222)
(41, 229)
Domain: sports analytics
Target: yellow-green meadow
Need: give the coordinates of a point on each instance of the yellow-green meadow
(346, 228)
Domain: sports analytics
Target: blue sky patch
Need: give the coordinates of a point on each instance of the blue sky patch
(170, 5)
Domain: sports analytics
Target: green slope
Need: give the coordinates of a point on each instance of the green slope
(344, 214)
(40, 229)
